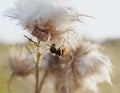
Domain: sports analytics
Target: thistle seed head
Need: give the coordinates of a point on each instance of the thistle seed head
(83, 68)
(21, 62)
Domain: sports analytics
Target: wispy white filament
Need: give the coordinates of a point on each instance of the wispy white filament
(48, 13)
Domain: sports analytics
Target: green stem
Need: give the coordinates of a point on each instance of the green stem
(37, 69)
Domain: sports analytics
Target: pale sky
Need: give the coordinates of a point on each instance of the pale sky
(105, 25)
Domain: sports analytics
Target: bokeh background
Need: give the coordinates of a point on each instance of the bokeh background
(103, 29)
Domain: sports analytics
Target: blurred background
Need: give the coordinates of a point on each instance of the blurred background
(103, 29)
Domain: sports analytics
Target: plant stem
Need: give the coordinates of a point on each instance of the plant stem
(37, 69)
(9, 83)
(42, 81)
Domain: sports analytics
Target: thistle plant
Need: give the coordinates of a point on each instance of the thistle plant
(21, 63)
(59, 50)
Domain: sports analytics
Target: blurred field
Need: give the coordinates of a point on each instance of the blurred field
(111, 49)
(4, 75)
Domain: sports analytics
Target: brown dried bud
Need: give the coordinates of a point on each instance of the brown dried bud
(40, 33)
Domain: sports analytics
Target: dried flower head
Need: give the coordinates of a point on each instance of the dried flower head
(48, 21)
(21, 62)
(84, 68)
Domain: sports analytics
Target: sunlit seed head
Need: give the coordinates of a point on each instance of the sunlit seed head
(48, 21)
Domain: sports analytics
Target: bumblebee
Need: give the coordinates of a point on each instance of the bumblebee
(58, 50)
